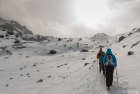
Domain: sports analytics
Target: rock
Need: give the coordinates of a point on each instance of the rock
(135, 44)
(83, 58)
(7, 85)
(10, 33)
(40, 80)
(27, 56)
(129, 34)
(59, 39)
(130, 52)
(124, 46)
(69, 47)
(21, 68)
(34, 65)
(52, 52)
(18, 46)
(8, 52)
(49, 76)
(1, 36)
(86, 64)
(80, 39)
(121, 38)
(101, 46)
(84, 50)
(27, 74)
(58, 66)
(65, 64)
(17, 41)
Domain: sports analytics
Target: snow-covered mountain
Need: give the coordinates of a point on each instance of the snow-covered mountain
(100, 37)
(32, 65)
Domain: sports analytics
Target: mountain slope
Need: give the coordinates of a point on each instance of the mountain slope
(67, 65)
(129, 64)
(32, 70)
(13, 27)
(100, 37)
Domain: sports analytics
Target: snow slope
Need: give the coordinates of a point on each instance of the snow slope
(31, 70)
(129, 65)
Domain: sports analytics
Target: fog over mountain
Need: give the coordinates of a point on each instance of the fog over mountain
(73, 18)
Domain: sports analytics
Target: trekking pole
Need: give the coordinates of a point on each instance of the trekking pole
(105, 76)
(104, 80)
(117, 77)
(97, 68)
(97, 64)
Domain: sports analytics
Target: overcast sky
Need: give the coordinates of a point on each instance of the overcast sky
(73, 18)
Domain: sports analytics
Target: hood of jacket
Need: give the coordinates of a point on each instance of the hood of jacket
(108, 51)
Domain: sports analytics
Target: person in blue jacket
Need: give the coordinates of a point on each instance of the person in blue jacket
(110, 62)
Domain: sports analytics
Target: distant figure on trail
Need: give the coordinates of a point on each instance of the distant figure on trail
(110, 62)
(100, 56)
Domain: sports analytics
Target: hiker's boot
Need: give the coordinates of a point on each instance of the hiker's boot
(108, 88)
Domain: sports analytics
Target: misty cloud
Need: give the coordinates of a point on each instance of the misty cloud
(124, 17)
(39, 15)
(57, 17)
(79, 30)
(117, 3)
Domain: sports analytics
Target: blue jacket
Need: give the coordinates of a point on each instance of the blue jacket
(109, 52)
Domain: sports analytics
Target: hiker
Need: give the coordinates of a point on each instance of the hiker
(100, 56)
(110, 63)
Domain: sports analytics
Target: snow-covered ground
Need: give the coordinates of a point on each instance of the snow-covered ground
(31, 70)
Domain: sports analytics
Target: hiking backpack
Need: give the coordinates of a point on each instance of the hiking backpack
(101, 56)
(109, 61)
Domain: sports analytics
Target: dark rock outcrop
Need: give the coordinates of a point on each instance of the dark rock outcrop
(13, 27)
(130, 52)
(121, 38)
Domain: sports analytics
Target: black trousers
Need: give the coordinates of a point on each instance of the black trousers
(101, 67)
(109, 70)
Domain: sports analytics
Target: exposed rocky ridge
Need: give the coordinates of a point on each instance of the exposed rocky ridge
(10, 27)
(13, 27)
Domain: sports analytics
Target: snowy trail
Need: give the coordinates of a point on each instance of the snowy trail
(94, 83)
(62, 73)
(122, 88)
(73, 78)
